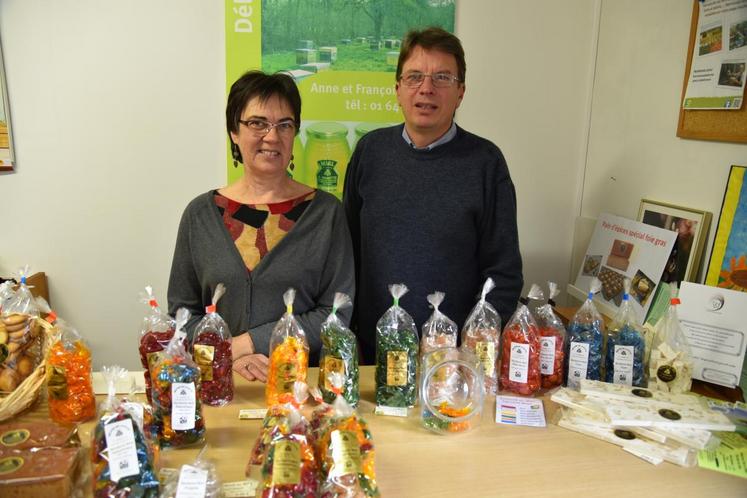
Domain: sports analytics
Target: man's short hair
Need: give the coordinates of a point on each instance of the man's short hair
(433, 38)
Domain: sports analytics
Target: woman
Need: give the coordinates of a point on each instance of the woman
(263, 233)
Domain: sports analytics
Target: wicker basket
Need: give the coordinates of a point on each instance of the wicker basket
(28, 391)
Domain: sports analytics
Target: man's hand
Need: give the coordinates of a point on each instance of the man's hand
(252, 367)
(241, 345)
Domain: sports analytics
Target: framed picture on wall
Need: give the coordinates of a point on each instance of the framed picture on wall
(691, 226)
(727, 267)
(6, 141)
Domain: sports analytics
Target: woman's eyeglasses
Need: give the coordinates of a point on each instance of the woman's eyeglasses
(260, 127)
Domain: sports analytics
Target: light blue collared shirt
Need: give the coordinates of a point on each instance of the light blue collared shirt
(446, 137)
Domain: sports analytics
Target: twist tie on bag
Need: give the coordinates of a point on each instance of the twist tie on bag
(397, 291)
(554, 291)
(488, 286)
(220, 289)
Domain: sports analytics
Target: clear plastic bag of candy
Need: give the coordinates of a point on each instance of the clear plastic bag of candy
(520, 350)
(671, 361)
(339, 354)
(69, 380)
(20, 334)
(553, 339)
(439, 331)
(481, 335)
(7, 292)
(626, 346)
(276, 414)
(585, 338)
(177, 408)
(452, 391)
(396, 354)
(156, 331)
(200, 478)
(289, 467)
(289, 353)
(211, 350)
(345, 451)
(121, 459)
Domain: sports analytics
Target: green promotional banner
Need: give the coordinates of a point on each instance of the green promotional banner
(343, 56)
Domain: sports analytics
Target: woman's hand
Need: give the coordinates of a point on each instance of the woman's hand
(242, 345)
(252, 367)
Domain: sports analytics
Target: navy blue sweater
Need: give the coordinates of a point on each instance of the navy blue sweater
(438, 220)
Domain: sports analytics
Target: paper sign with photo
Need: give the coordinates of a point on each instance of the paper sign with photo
(621, 248)
(713, 322)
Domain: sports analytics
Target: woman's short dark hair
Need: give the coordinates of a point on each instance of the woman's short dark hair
(433, 38)
(257, 84)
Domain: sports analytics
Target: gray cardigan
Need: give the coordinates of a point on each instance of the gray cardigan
(315, 257)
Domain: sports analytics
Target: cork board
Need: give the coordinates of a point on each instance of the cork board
(721, 125)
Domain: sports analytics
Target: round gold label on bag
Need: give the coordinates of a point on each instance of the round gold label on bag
(10, 464)
(14, 437)
(666, 373)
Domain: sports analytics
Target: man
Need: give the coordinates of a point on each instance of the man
(429, 204)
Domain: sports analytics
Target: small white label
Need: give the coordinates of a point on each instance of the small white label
(519, 363)
(120, 445)
(252, 413)
(623, 365)
(547, 355)
(183, 404)
(391, 411)
(578, 363)
(240, 489)
(192, 482)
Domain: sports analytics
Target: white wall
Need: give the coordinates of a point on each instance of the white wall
(634, 152)
(117, 118)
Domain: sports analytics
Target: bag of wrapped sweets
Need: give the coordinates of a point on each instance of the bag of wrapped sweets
(585, 338)
(289, 353)
(552, 341)
(20, 345)
(520, 350)
(345, 451)
(177, 408)
(7, 292)
(339, 354)
(155, 333)
(439, 331)
(289, 467)
(671, 361)
(121, 458)
(211, 350)
(69, 378)
(481, 335)
(396, 354)
(200, 478)
(626, 346)
(276, 415)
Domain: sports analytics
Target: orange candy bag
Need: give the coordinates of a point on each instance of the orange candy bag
(69, 378)
(289, 354)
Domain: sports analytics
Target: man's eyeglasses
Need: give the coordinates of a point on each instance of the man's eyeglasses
(440, 80)
(260, 127)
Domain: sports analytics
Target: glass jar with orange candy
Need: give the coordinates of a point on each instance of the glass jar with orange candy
(289, 354)
(520, 352)
(69, 381)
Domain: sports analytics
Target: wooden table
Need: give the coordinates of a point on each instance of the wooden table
(493, 460)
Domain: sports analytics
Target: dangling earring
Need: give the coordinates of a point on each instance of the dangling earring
(235, 154)
(291, 166)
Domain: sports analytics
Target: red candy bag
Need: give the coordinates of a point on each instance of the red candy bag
(552, 341)
(520, 352)
(211, 350)
(155, 334)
